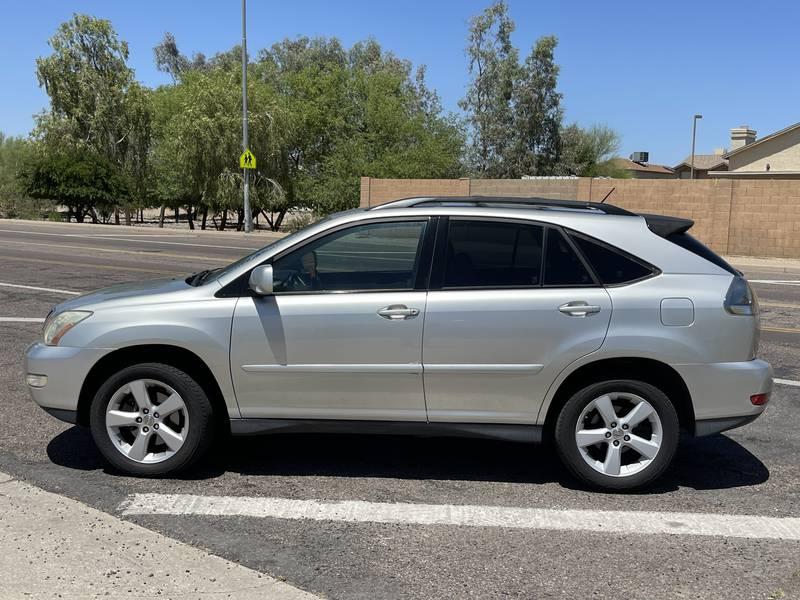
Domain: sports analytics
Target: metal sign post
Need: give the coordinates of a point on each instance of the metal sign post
(248, 214)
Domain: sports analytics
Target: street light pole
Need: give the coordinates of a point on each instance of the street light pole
(248, 215)
(694, 135)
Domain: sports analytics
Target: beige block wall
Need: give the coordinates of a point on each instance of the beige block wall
(556, 189)
(380, 191)
(739, 217)
(707, 202)
(765, 218)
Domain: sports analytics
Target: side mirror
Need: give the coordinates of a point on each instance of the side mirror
(261, 280)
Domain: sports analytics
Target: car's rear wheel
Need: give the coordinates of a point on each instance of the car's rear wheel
(617, 435)
(151, 419)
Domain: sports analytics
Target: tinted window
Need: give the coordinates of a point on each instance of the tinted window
(611, 266)
(562, 265)
(481, 254)
(365, 257)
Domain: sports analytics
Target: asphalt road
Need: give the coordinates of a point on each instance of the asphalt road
(754, 470)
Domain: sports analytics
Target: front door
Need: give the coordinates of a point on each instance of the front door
(514, 306)
(342, 336)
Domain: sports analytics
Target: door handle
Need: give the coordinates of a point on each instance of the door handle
(578, 308)
(398, 312)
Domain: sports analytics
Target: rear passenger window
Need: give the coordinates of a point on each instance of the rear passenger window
(562, 266)
(490, 254)
(611, 266)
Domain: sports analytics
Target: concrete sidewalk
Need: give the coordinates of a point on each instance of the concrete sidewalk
(53, 546)
(778, 265)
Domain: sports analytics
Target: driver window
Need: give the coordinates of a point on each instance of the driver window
(374, 256)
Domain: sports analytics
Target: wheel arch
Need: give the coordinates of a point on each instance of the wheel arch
(648, 370)
(175, 356)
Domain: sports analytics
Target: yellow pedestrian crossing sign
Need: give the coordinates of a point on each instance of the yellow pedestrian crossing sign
(247, 160)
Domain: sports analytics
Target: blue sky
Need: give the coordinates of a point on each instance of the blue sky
(643, 68)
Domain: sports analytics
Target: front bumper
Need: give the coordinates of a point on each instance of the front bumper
(721, 392)
(66, 369)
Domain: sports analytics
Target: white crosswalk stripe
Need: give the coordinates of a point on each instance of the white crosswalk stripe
(354, 511)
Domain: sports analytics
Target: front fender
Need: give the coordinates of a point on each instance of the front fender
(202, 327)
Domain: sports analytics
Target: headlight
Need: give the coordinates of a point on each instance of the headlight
(55, 327)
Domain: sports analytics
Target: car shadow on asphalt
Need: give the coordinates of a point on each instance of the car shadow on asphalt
(709, 463)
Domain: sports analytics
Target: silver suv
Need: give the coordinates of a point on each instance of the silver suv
(604, 331)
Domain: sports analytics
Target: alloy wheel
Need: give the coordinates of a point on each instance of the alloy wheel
(619, 434)
(147, 421)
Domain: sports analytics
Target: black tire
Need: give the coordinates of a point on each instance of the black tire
(571, 456)
(198, 406)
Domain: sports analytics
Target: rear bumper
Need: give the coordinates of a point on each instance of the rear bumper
(712, 426)
(721, 392)
(65, 369)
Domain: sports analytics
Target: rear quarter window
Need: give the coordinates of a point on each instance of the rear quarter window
(611, 265)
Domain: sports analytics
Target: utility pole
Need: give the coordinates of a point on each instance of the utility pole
(694, 134)
(248, 214)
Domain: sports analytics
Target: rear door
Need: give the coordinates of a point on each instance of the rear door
(511, 304)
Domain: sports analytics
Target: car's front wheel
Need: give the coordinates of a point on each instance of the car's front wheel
(617, 435)
(151, 419)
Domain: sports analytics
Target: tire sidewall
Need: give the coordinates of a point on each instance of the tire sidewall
(568, 448)
(197, 405)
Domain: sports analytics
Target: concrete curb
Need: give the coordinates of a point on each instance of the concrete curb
(778, 265)
(57, 547)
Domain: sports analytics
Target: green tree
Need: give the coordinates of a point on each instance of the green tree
(590, 152)
(14, 155)
(96, 107)
(86, 77)
(493, 69)
(197, 129)
(537, 114)
(87, 184)
(351, 113)
(170, 60)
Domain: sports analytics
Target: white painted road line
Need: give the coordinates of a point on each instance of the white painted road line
(41, 289)
(21, 319)
(793, 282)
(633, 522)
(786, 382)
(104, 250)
(120, 238)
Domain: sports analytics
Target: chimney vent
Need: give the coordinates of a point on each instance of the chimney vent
(741, 136)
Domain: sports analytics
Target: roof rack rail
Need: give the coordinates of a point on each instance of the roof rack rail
(608, 209)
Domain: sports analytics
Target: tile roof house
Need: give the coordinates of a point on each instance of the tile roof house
(643, 170)
(703, 163)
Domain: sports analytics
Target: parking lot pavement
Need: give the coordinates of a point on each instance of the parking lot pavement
(385, 517)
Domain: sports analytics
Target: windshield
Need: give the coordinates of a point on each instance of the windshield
(256, 256)
(214, 275)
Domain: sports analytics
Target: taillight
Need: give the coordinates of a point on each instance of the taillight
(759, 399)
(741, 299)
